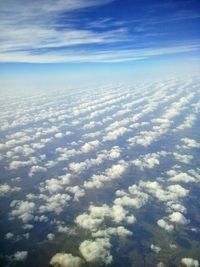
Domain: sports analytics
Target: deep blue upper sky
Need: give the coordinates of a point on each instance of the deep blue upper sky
(97, 31)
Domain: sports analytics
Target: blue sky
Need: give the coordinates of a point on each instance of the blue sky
(81, 36)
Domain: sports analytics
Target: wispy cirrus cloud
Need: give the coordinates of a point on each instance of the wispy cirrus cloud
(36, 25)
(53, 56)
(45, 32)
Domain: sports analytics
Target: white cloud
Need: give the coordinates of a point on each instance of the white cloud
(16, 164)
(77, 191)
(178, 190)
(20, 255)
(182, 177)
(172, 192)
(59, 135)
(52, 185)
(113, 135)
(173, 206)
(183, 158)
(155, 248)
(114, 153)
(120, 231)
(163, 123)
(5, 189)
(114, 172)
(130, 201)
(9, 236)
(66, 260)
(147, 161)
(94, 219)
(90, 146)
(189, 262)
(55, 203)
(78, 167)
(178, 218)
(23, 210)
(187, 123)
(190, 143)
(36, 169)
(50, 236)
(66, 153)
(166, 226)
(97, 251)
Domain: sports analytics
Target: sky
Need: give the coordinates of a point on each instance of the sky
(50, 42)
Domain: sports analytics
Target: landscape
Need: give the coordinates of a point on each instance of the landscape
(99, 134)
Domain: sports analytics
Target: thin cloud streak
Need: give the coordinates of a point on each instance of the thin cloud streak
(100, 56)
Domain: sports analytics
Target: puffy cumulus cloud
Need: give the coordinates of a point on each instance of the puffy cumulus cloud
(52, 185)
(195, 173)
(113, 135)
(178, 218)
(114, 153)
(183, 158)
(61, 228)
(23, 210)
(117, 124)
(165, 225)
(20, 255)
(9, 236)
(178, 190)
(187, 123)
(135, 202)
(92, 134)
(172, 192)
(66, 260)
(16, 164)
(77, 191)
(42, 143)
(68, 133)
(147, 161)
(155, 248)
(145, 139)
(114, 172)
(78, 167)
(50, 164)
(50, 237)
(173, 206)
(55, 203)
(190, 143)
(66, 154)
(189, 262)
(36, 169)
(92, 124)
(162, 124)
(59, 135)
(97, 251)
(120, 231)
(96, 181)
(95, 217)
(119, 214)
(5, 189)
(182, 177)
(55, 185)
(41, 218)
(90, 146)
(25, 150)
